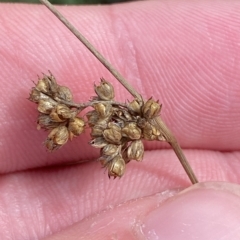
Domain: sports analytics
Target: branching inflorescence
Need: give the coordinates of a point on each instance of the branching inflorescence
(116, 128)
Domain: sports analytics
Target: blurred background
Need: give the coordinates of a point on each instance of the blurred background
(68, 2)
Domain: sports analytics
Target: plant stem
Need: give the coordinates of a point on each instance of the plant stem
(92, 49)
(157, 122)
(88, 104)
(170, 138)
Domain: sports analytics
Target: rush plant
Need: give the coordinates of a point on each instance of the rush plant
(117, 129)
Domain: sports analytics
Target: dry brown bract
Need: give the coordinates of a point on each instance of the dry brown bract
(116, 128)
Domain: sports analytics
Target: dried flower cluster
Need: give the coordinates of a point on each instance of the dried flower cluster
(54, 115)
(117, 129)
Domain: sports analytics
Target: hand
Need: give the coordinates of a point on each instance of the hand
(186, 54)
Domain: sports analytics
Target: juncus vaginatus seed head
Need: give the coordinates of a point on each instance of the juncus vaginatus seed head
(150, 132)
(131, 131)
(46, 106)
(61, 112)
(116, 129)
(92, 117)
(57, 138)
(99, 142)
(113, 133)
(151, 108)
(47, 84)
(99, 127)
(135, 151)
(104, 90)
(135, 106)
(36, 96)
(127, 116)
(43, 85)
(75, 127)
(123, 115)
(64, 93)
(104, 110)
(97, 130)
(109, 152)
(45, 122)
(116, 167)
(141, 122)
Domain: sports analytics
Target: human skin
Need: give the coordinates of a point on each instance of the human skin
(186, 54)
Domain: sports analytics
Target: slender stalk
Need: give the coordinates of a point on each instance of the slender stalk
(157, 122)
(92, 49)
(170, 138)
(88, 104)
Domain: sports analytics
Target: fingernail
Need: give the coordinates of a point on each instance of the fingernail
(204, 211)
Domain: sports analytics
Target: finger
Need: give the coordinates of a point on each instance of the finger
(197, 212)
(35, 204)
(184, 63)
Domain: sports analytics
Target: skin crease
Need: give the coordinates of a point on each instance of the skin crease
(185, 54)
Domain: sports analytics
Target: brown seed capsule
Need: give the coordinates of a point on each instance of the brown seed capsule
(150, 132)
(110, 149)
(123, 115)
(46, 106)
(99, 127)
(127, 116)
(116, 167)
(141, 122)
(57, 138)
(136, 150)
(109, 152)
(98, 142)
(105, 90)
(103, 110)
(34, 95)
(75, 127)
(43, 85)
(131, 131)
(53, 86)
(97, 130)
(147, 132)
(61, 112)
(92, 117)
(113, 133)
(151, 108)
(45, 122)
(64, 93)
(125, 157)
(135, 106)
(47, 84)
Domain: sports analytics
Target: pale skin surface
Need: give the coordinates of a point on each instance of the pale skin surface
(184, 54)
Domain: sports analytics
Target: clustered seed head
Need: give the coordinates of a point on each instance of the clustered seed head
(117, 129)
(55, 116)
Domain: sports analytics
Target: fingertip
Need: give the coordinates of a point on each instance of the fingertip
(203, 211)
(116, 222)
